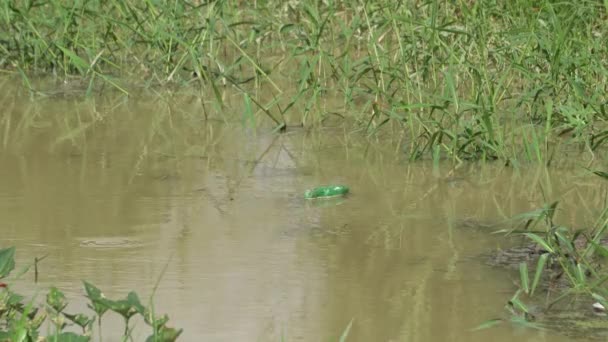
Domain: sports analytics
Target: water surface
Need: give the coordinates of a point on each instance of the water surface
(214, 213)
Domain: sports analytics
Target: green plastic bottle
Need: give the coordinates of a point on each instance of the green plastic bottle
(326, 191)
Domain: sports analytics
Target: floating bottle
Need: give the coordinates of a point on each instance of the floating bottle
(326, 191)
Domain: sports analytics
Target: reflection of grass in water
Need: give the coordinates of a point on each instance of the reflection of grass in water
(464, 80)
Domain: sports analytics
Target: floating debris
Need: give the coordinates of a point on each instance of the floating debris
(599, 309)
(327, 191)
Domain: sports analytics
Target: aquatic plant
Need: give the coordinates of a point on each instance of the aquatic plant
(567, 270)
(21, 319)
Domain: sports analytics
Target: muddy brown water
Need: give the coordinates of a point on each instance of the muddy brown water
(245, 257)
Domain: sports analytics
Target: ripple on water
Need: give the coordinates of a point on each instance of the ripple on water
(110, 242)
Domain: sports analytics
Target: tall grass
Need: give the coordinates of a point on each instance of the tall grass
(507, 80)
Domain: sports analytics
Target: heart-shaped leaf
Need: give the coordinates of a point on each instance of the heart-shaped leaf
(7, 261)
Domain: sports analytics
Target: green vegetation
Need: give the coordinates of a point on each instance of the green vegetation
(568, 274)
(574, 254)
(515, 81)
(508, 80)
(23, 320)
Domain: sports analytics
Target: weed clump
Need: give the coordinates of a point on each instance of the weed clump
(23, 320)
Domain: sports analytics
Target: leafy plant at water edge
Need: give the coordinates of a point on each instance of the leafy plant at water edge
(568, 267)
(21, 320)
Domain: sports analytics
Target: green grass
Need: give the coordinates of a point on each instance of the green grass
(566, 259)
(463, 80)
(567, 275)
(516, 81)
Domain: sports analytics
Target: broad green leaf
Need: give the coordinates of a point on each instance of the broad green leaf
(96, 297)
(15, 300)
(134, 301)
(93, 293)
(165, 335)
(79, 319)
(122, 307)
(7, 261)
(56, 299)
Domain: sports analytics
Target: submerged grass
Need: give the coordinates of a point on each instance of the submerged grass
(462, 80)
